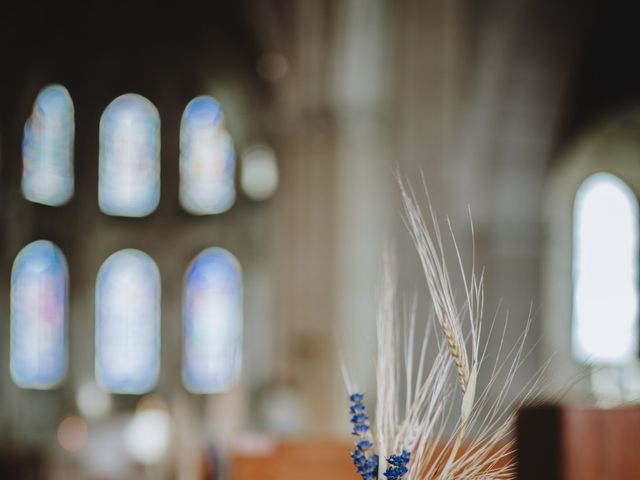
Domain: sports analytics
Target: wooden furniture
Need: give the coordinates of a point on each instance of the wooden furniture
(294, 460)
(578, 443)
(554, 443)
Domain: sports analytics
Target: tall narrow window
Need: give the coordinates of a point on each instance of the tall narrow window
(47, 148)
(207, 161)
(39, 283)
(605, 271)
(129, 176)
(128, 323)
(212, 312)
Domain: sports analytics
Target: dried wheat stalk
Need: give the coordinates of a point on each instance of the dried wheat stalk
(434, 388)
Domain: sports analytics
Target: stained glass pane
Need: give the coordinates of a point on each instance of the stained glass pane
(212, 322)
(605, 271)
(207, 160)
(39, 283)
(47, 148)
(128, 323)
(129, 177)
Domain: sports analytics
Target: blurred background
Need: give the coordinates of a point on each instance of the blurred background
(194, 201)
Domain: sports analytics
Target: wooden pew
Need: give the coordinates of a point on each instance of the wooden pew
(310, 459)
(554, 443)
(578, 443)
(295, 460)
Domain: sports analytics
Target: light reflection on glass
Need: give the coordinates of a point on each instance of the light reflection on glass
(92, 401)
(605, 271)
(212, 313)
(39, 283)
(47, 148)
(259, 178)
(73, 433)
(207, 160)
(129, 175)
(128, 323)
(148, 434)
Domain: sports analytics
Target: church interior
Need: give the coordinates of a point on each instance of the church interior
(196, 198)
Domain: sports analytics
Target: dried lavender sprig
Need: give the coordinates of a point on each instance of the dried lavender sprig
(398, 466)
(365, 461)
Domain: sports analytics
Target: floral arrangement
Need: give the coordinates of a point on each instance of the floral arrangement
(432, 421)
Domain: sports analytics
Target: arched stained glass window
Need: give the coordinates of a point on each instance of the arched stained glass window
(212, 313)
(605, 271)
(47, 148)
(207, 160)
(39, 283)
(128, 323)
(129, 177)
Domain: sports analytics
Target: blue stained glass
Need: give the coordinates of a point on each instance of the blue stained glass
(47, 148)
(128, 323)
(207, 159)
(212, 312)
(39, 283)
(129, 175)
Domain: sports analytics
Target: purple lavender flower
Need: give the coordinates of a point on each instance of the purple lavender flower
(365, 461)
(398, 466)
